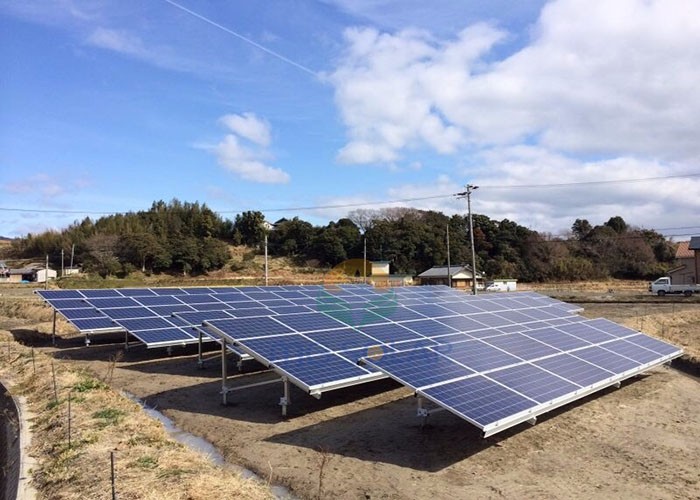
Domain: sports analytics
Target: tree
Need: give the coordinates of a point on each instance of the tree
(251, 226)
(617, 224)
(581, 228)
(102, 254)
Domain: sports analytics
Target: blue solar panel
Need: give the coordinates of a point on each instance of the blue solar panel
(586, 332)
(397, 313)
(211, 306)
(477, 355)
(113, 302)
(244, 305)
(606, 359)
(247, 313)
(136, 292)
(428, 327)
(322, 369)
(157, 300)
(461, 323)
(85, 312)
(107, 292)
(611, 328)
(490, 319)
(291, 294)
(289, 309)
(374, 352)
(197, 299)
(462, 307)
(308, 322)
(432, 311)
(521, 346)
(283, 347)
(59, 294)
(244, 328)
(414, 344)
(165, 335)
(533, 382)
(420, 368)
(168, 310)
(197, 318)
(574, 369)
(555, 338)
(479, 399)
(631, 351)
(389, 333)
(516, 316)
(169, 291)
(154, 323)
(128, 312)
(656, 345)
(60, 304)
(277, 303)
(198, 290)
(90, 324)
(341, 340)
(357, 317)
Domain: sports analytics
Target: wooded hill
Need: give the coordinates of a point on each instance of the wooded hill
(182, 237)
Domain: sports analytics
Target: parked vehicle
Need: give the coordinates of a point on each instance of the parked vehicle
(662, 286)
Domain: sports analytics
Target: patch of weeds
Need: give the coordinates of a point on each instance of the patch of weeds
(141, 439)
(176, 472)
(88, 384)
(108, 416)
(146, 462)
(53, 404)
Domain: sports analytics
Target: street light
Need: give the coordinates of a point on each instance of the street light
(468, 195)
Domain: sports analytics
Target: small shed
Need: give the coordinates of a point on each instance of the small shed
(461, 276)
(380, 268)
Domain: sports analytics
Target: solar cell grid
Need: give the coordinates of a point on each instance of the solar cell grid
(521, 346)
(343, 339)
(60, 294)
(477, 355)
(136, 292)
(533, 382)
(157, 300)
(432, 310)
(309, 322)
(388, 333)
(85, 312)
(61, 304)
(282, 347)
(243, 328)
(428, 327)
(574, 369)
(164, 336)
(656, 345)
(168, 310)
(479, 399)
(107, 292)
(155, 323)
(92, 324)
(128, 312)
(322, 369)
(112, 302)
(606, 359)
(631, 351)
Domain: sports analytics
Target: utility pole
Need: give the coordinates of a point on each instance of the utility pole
(468, 194)
(72, 253)
(62, 267)
(46, 273)
(449, 273)
(364, 261)
(266, 258)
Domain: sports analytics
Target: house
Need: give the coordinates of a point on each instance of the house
(29, 274)
(461, 276)
(381, 277)
(688, 262)
(380, 268)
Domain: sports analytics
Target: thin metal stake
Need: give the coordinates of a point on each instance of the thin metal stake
(33, 362)
(55, 387)
(114, 489)
(69, 421)
(53, 330)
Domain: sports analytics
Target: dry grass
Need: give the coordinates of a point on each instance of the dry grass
(148, 463)
(681, 328)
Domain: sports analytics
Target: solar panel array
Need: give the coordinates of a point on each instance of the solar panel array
(319, 350)
(170, 316)
(498, 381)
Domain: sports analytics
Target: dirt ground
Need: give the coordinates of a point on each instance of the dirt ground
(639, 441)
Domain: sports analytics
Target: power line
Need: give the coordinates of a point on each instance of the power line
(241, 37)
(370, 203)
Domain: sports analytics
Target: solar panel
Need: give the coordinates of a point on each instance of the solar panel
(515, 377)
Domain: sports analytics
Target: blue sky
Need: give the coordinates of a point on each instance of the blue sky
(106, 106)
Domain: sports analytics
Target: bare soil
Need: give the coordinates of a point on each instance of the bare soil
(639, 441)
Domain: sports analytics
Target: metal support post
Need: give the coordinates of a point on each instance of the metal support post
(532, 421)
(285, 400)
(169, 350)
(126, 340)
(422, 412)
(87, 340)
(53, 329)
(224, 374)
(200, 360)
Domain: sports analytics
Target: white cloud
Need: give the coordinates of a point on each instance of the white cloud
(246, 162)
(249, 126)
(604, 78)
(118, 41)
